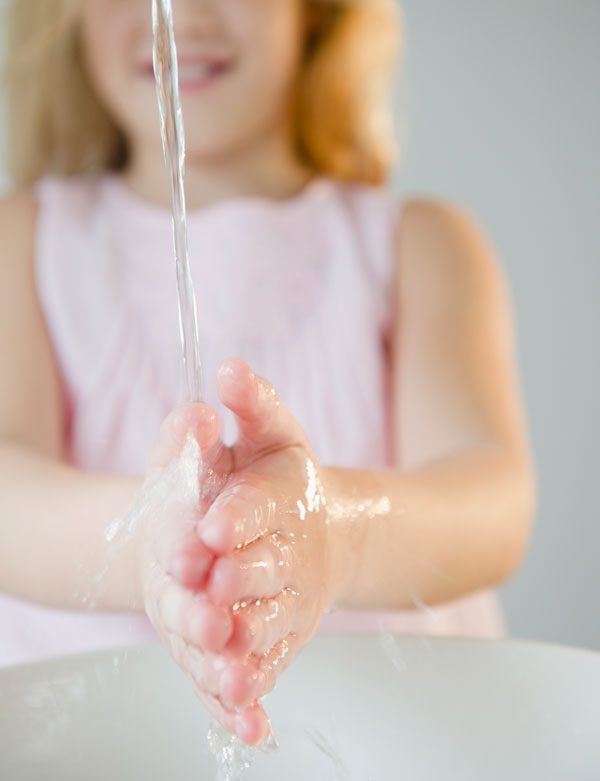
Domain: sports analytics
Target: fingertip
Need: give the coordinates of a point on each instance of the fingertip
(201, 422)
(224, 582)
(252, 727)
(241, 685)
(217, 535)
(198, 419)
(191, 566)
(234, 368)
(236, 383)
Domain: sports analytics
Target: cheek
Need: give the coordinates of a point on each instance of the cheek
(102, 50)
(271, 42)
(112, 34)
(267, 36)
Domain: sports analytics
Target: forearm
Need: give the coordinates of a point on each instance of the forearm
(53, 520)
(430, 535)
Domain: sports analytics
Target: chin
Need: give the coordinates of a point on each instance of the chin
(211, 150)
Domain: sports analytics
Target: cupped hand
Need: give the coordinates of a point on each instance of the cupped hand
(236, 584)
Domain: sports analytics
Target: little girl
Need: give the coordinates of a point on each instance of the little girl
(389, 470)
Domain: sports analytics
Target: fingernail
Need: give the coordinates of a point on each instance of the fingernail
(226, 370)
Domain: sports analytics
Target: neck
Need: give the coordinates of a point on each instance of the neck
(269, 169)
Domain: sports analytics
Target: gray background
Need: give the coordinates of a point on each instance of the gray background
(500, 111)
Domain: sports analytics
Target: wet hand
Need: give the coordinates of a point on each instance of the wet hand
(269, 532)
(188, 467)
(267, 540)
(236, 583)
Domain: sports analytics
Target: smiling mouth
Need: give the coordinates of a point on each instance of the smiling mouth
(195, 74)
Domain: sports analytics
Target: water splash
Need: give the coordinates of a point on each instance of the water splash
(319, 740)
(424, 608)
(389, 642)
(173, 136)
(177, 483)
(231, 755)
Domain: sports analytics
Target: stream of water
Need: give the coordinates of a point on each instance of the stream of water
(167, 88)
(231, 755)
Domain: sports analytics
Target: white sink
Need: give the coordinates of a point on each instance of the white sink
(439, 710)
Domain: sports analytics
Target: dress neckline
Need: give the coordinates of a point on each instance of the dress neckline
(316, 189)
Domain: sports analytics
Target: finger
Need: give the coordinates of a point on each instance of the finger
(189, 561)
(193, 617)
(251, 726)
(270, 665)
(257, 571)
(198, 420)
(241, 682)
(239, 516)
(263, 421)
(236, 685)
(276, 661)
(260, 626)
(217, 465)
(229, 692)
(178, 548)
(195, 663)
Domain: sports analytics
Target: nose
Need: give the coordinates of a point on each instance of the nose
(194, 16)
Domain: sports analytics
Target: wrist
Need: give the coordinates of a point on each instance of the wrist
(346, 532)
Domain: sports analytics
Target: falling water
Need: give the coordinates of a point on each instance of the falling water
(167, 87)
(231, 755)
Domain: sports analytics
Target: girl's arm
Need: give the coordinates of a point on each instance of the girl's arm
(289, 537)
(456, 516)
(52, 517)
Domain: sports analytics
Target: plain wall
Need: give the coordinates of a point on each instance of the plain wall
(500, 111)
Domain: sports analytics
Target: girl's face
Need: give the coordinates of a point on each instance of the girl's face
(238, 61)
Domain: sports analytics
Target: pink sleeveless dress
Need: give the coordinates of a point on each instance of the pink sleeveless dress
(300, 289)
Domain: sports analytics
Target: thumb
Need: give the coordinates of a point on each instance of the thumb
(264, 422)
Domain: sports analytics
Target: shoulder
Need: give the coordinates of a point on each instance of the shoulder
(27, 361)
(18, 223)
(18, 215)
(43, 214)
(17, 210)
(440, 249)
(20, 210)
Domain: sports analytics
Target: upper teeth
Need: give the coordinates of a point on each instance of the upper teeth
(194, 71)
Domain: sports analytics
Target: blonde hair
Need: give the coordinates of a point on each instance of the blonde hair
(342, 107)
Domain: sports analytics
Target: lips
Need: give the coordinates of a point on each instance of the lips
(202, 72)
(196, 73)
